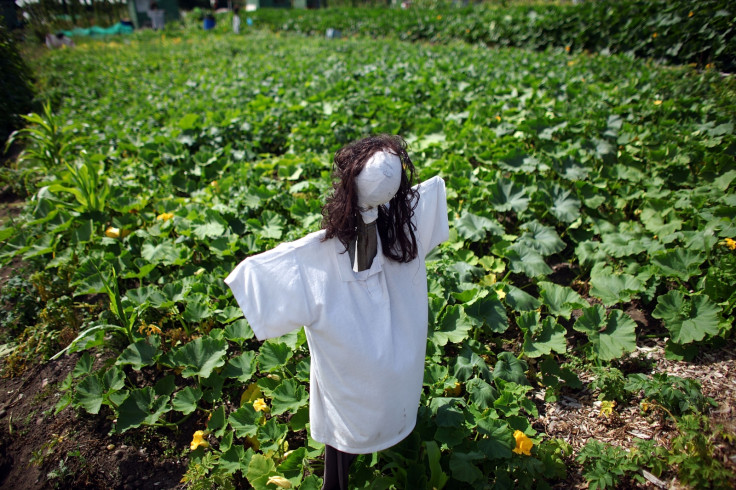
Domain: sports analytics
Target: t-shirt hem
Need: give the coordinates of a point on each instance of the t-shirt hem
(364, 450)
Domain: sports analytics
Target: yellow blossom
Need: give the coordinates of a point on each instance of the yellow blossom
(657, 102)
(567, 49)
(498, 118)
(607, 408)
(731, 243)
(198, 440)
(260, 405)
(455, 390)
(645, 406)
(112, 232)
(523, 443)
(691, 14)
(165, 216)
(439, 17)
(654, 35)
(279, 481)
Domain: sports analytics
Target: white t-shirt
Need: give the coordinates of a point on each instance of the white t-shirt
(366, 331)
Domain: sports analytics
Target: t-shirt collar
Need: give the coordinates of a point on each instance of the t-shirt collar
(343, 262)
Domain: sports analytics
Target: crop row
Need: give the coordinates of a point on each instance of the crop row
(678, 32)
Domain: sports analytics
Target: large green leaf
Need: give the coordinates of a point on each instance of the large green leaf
(474, 228)
(186, 400)
(241, 367)
(507, 195)
(273, 356)
(679, 263)
(200, 356)
(488, 310)
(560, 300)
(142, 406)
(687, 319)
(260, 470)
(541, 338)
(540, 238)
(455, 327)
(613, 288)
(509, 368)
(565, 205)
(236, 458)
(244, 421)
(611, 336)
(88, 394)
(288, 396)
(526, 261)
(141, 353)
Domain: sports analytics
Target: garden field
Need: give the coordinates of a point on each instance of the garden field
(581, 314)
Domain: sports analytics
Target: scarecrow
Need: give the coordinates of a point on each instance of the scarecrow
(359, 287)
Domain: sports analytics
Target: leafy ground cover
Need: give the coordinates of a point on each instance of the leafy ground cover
(592, 202)
(678, 32)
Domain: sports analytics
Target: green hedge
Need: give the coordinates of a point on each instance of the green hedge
(15, 86)
(677, 31)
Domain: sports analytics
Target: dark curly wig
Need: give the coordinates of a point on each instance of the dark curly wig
(341, 213)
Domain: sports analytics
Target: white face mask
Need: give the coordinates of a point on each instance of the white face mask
(377, 183)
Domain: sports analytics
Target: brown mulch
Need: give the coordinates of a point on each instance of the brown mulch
(576, 416)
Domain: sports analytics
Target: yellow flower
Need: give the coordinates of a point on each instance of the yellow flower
(657, 102)
(279, 481)
(567, 49)
(654, 35)
(691, 14)
(439, 17)
(645, 406)
(260, 405)
(112, 232)
(607, 408)
(198, 440)
(523, 443)
(731, 243)
(165, 216)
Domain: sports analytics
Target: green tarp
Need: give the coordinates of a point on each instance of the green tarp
(118, 28)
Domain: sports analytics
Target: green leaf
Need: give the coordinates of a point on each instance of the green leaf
(509, 368)
(489, 311)
(273, 356)
(141, 406)
(499, 440)
(688, 320)
(462, 467)
(200, 356)
(260, 470)
(679, 263)
(186, 400)
(610, 336)
(542, 239)
(543, 338)
(560, 300)
(507, 195)
(236, 458)
(88, 394)
(83, 366)
(197, 309)
(270, 225)
(244, 421)
(455, 327)
(141, 353)
(520, 300)
(474, 228)
(242, 367)
(271, 434)
(288, 396)
(526, 261)
(482, 395)
(565, 205)
(238, 331)
(613, 288)
(216, 423)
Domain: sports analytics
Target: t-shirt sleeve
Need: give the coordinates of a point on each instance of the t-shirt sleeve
(271, 291)
(431, 214)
